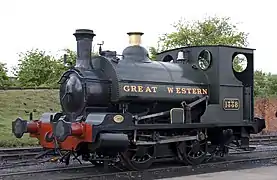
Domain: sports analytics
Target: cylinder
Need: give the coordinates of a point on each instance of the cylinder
(84, 38)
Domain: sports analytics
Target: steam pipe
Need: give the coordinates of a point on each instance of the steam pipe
(84, 38)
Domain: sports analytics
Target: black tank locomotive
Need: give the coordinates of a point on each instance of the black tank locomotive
(188, 103)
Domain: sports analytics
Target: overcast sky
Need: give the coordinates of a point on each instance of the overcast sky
(49, 24)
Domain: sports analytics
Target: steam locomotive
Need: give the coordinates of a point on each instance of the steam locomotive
(186, 105)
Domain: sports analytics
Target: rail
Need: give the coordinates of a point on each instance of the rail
(19, 153)
(162, 170)
(36, 149)
(26, 156)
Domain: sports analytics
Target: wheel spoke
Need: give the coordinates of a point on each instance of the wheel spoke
(135, 161)
(194, 152)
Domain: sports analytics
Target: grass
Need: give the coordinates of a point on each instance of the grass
(15, 103)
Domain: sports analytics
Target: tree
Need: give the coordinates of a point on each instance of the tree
(272, 85)
(4, 79)
(239, 62)
(265, 84)
(260, 83)
(209, 31)
(36, 68)
(71, 56)
(153, 52)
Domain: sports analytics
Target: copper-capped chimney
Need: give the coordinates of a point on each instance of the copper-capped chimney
(84, 38)
(135, 38)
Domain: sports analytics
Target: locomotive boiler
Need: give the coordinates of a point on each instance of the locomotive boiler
(188, 103)
(105, 82)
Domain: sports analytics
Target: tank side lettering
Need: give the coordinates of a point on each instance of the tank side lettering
(154, 89)
(199, 91)
(182, 90)
(140, 89)
(169, 90)
(204, 91)
(133, 88)
(147, 89)
(178, 90)
(188, 90)
(126, 88)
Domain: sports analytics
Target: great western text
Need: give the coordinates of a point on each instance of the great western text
(170, 90)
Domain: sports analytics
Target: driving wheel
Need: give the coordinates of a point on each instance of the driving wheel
(139, 158)
(192, 152)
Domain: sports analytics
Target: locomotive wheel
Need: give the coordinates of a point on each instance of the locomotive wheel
(192, 152)
(140, 158)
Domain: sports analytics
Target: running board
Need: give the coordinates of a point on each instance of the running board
(167, 140)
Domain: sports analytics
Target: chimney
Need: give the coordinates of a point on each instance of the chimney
(135, 38)
(84, 38)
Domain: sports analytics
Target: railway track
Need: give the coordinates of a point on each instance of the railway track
(253, 138)
(11, 157)
(19, 153)
(264, 139)
(35, 160)
(159, 170)
(32, 155)
(32, 152)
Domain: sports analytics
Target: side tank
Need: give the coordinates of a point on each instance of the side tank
(135, 78)
(140, 79)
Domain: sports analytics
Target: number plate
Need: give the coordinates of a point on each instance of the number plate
(231, 104)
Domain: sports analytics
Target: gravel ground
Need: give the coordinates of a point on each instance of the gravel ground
(40, 166)
(260, 173)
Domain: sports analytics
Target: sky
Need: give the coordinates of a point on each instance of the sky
(49, 24)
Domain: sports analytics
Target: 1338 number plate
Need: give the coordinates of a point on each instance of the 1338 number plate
(231, 104)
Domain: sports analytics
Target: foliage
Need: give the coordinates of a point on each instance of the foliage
(38, 69)
(237, 63)
(4, 79)
(35, 68)
(209, 31)
(71, 56)
(60, 68)
(272, 85)
(261, 83)
(153, 52)
(265, 84)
